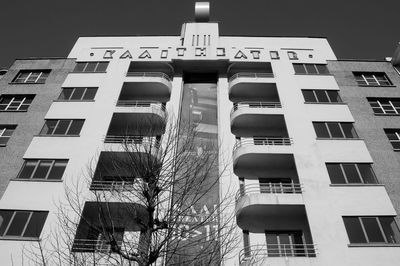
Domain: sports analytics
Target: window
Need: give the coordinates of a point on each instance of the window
(21, 224)
(47, 169)
(5, 133)
(351, 173)
(381, 229)
(372, 79)
(31, 76)
(287, 243)
(77, 94)
(311, 69)
(332, 130)
(15, 102)
(393, 135)
(62, 127)
(91, 67)
(321, 96)
(388, 106)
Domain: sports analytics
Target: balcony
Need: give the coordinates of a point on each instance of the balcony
(258, 123)
(148, 109)
(105, 226)
(242, 111)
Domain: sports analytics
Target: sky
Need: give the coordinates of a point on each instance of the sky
(356, 29)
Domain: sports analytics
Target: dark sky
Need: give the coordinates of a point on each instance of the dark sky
(364, 29)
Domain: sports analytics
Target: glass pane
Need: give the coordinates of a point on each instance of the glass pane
(335, 173)
(42, 169)
(102, 67)
(33, 77)
(5, 100)
(311, 69)
(79, 67)
(18, 223)
(321, 96)
(395, 144)
(391, 229)
(78, 93)
(372, 229)
(8, 132)
(334, 96)
(366, 173)
(354, 230)
(321, 130)
(28, 100)
(65, 94)
(90, 93)
(309, 96)
(76, 127)
(27, 169)
(48, 127)
(5, 217)
(3, 140)
(351, 173)
(272, 245)
(90, 66)
(62, 127)
(299, 69)
(35, 224)
(391, 134)
(285, 244)
(58, 169)
(335, 130)
(349, 130)
(322, 69)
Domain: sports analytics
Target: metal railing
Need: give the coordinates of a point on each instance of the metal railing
(134, 140)
(117, 185)
(141, 104)
(262, 141)
(91, 245)
(251, 75)
(241, 105)
(254, 253)
(149, 74)
(271, 188)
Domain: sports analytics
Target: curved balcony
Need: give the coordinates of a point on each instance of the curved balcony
(243, 113)
(137, 144)
(148, 108)
(149, 84)
(262, 254)
(249, 86)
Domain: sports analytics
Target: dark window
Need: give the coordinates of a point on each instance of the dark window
(372, 79)
(5, 133)
(311, 69)
(46, 169)
(335, 130)
(22, 224)
(31, 76)
(393, 135)
(62, 127)
(287, 243)
(18, 102)
(321, 96)
(381, 229)
(351, 173)
(77, 94)
(91, 67)
(389, 106)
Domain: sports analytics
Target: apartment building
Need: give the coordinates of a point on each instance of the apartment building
(308, 189)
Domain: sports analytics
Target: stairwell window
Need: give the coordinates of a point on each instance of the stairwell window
(393, 135)
(372, 230)
(372, 79)
(62, 127)
(31, 76)
(22, 224)
(17, 102)
(335, 130)
(77, 94)
(91, 67)
(321, 96)
(351, 173)
(385, 106)
(43, 169)
(311, 69)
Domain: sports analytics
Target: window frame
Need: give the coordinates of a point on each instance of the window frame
(28, 220)
(360, 176)
(315, 67)
(86, 89)
(31, 71)
(396, 132)
(37, 163)
(3, 129)
(13, 100)
(383, 102)
(56, 126)
(340, 127)
(326, 93)
(362, 79)
(87, 63)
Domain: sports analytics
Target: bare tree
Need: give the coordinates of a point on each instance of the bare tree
(153, 201)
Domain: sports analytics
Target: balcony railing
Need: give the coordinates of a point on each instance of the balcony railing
(262, 141)
(241, 105)
(91, 245)
(271, 188)
(258, 253)
(251, 75)
(134, 140)
(149, 74)
(118, 185)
